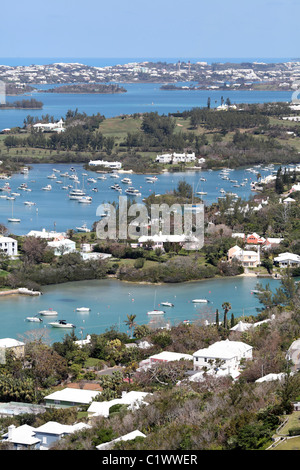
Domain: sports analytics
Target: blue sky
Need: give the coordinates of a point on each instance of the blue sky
(153, 28)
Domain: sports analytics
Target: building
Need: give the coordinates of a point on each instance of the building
(248, 258)
(62, 247)
(50, 126)
(293, 354)
(164, 356)
(70, 397)
(287, 259)
(29, 438)
(127, 437)
(46, 234)
(132, 399)
(110, 165)
(9, 246)
(223, 355)
(255, 239)
(176, 158)
(17, 347)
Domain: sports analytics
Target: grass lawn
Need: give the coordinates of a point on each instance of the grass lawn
(290, 444)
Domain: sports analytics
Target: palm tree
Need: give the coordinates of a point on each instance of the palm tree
(226, 306)
(130, 322)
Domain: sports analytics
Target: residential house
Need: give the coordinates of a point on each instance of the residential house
(9, 246)
(70, 397)
(17, 347)
(255, 239)
(287, 259)
(164, 356)
(176, 158)
(248, 258)
(223, 355)
(46, 234)
(127, 437)
(62, 247)
(22, 438)
(105, 164)
(132, 399)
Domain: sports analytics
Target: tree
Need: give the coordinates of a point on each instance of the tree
(226, 306)
(130, 322)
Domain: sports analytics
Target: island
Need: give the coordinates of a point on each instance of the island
(87, 88)
(23, 104)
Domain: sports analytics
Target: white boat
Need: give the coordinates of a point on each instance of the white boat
(114, 175)
(61, 324)
(52, 177)
(200, 301)
(12, 219)
(151, 179)
(48, 313)
(83, 228)
(156, 312)
(167, 304)
(29, 203)
(101, 177)
(83, 309)
(85, 200)
(132, 191)
(126, 181)
(48, 187)
(201, 193)
(76, 194)
(34, 319)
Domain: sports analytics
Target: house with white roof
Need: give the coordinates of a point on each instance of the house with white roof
(287, 259)
(225, 355)
(17, 347)
(127, 437)
(9, 246)
(46, 234)
(164, 356)
(70, 397)
(29, 438)
(105, 164)
(132, 399)
(62, 247)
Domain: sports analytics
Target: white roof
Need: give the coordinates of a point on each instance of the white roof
(133, 399)
(170, 356)
(10, 343)
(7, 240)
(127, 437)
(287, 256)
(270, 377)
(241, 326)
(52, 427)
(73, 395)
(22, 435)
(224, 349)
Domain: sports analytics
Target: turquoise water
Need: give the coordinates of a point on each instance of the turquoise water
(54, 209)
(111, 301)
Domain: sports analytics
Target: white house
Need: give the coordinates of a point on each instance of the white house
(50, 126)
(225, 355)
(46, 234)
(287, 259)
(164, 356)
(176, 158)
(9, 246)
(62, 247)
(111, 165)
(127, 437)
(17, 347)
(133, 399)
(71, 397)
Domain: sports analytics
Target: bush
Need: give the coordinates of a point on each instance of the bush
(139, 263)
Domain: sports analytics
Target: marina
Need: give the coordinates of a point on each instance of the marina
(75, 208)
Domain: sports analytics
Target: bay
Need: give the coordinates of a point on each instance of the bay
(53, 210)
(139, 98)
(111, 301)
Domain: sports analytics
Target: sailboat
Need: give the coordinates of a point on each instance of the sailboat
(154, 311)
(12, 219)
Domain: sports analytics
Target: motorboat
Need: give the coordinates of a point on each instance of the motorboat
(48, 313)
(83, 228)
(114, 175)
(201, 193)
(34, 319)
(103, 177)
(76, 194)
(200, 301)
(151, 179)
(126, 181)
(167, 304)
(132, 191)
(156, 312)
(48, 187)
(29, 203)
(83, 309)
(85, 200)
(61, 324)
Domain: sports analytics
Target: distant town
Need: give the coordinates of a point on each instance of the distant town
(247, 75)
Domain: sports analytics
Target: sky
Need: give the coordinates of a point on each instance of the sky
(153, 28)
